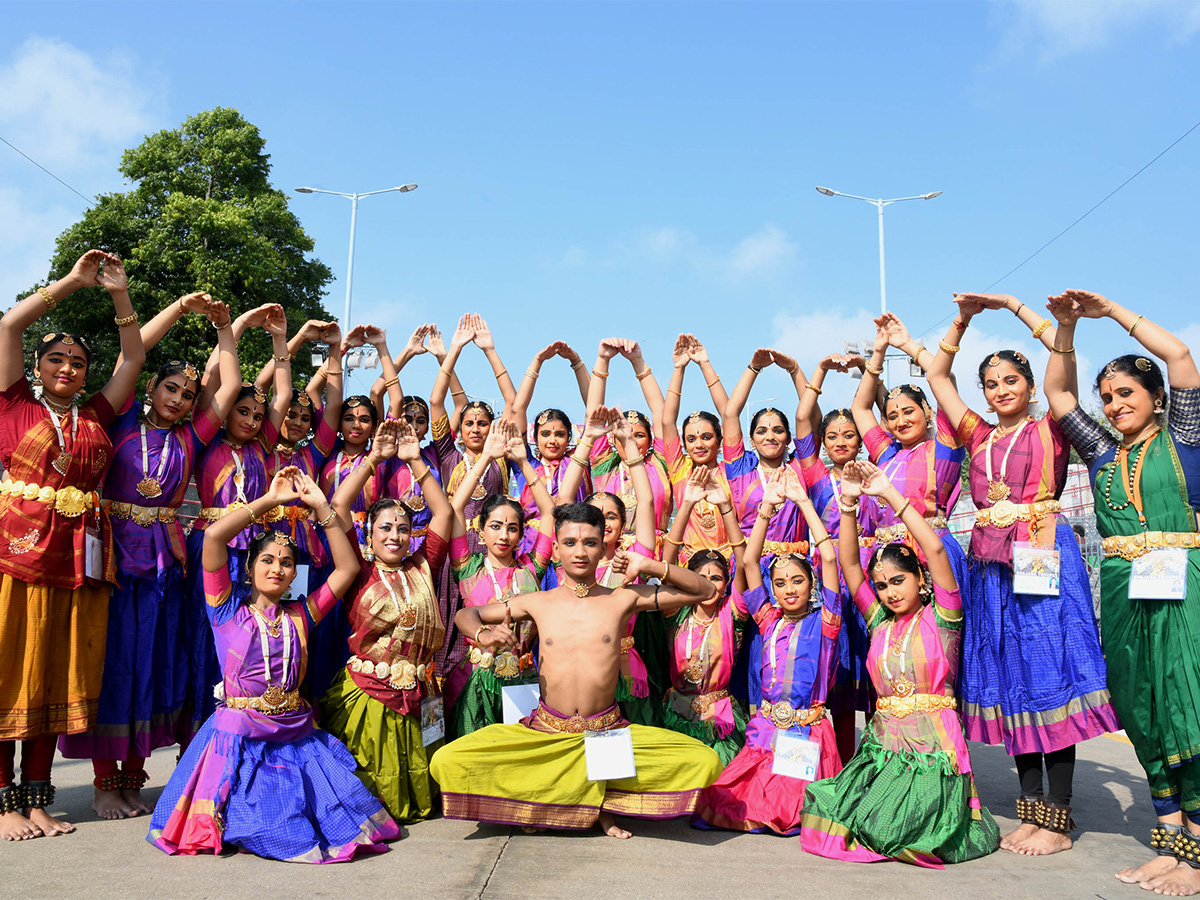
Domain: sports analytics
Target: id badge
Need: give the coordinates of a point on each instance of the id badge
(520, 700)
(796, 757)
(1035, 570)
(93, 556)
(1159, 575)
(433, 721)
(609, 754)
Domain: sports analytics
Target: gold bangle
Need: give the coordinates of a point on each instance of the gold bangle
(285, 358)
(459, 392)
(500, 374)
(1040, 328)
(757, 370)
(122, 321)
(480, 630)
(395, 379)
(449, 374)
(851, 510)
(671, 540)
(900, 511)
(583, 443)
(633, 462)
(421, 477)
(599, 374)
(673, 391)
(716, 380)
(1136, 323)
(792, 370)
(222, 327)
(529, 373)
(329, 372)
(821, 541)
(767, 516)
(44, 293)
(959, 324)
(645, 373)
(1066, 352)
(329, 519)
(875, 372)
(949, 348)
(812, 387)
(575, 459)
(666, 570)
(741, 543)
(577, 365)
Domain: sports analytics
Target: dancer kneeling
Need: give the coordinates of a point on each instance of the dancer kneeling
(759, 791)
(908, 793)
(535, 774)
(258, 774)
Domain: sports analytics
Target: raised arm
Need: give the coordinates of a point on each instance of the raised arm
(670, 410)
(330, 399)
(228, 384)
(377, 338)
(520, 406)
(712, 380)
(862, 406)
(941, 382)
(693, 492)
(493, 449)
(608, 348)
(463, 335)
(133, 354)
(1062, 378)
(799, 382)
(309, 331)
(485, 342)
(821, 541)
(644, 531)
(408, 450)
(276, 327)
(215, 553)
(437, 349)
(772, 498)
(650, 389)
(517, 452)
(876, 484)
(731, 424)
(848, 547)
(599, 422)
(211, 380)
(1181, 368)
(383, 447)
(415, 346)
(156, 329)
(346, 565)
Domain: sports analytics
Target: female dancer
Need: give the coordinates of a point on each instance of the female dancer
(145, 686)
(500, 571)
(259, 776)
(375, 703)
(851, 691)
(609, 472)
(1033, 675)
(923, 460)
(797, 667)
(704, 528)
(908, 793)
(231, 473)
(1147, 489)
(704, 640)
(56, 574)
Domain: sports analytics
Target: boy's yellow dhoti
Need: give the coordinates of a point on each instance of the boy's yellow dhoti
(535, 774)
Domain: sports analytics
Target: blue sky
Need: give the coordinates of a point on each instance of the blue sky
(644, 169)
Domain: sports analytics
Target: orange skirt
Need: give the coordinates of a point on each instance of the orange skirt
(52, 643)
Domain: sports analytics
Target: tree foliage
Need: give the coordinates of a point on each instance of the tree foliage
(202, 215)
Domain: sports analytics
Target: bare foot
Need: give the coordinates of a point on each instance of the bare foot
(1044, 842)
(532, 829)
(1016, 838)
(15, 827)
(111, 805)
(133, 799)
(50, 826)
(1160, 865)
(610, 827)
(1181, 881)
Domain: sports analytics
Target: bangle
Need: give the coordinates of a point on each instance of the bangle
(1040, 328)
(666, 569)
(767, 516)
(960, 324)
(329, 519)
(821, 541)
(726, 511)
(875, 372)
(45, 294)
(633, 462)
(949, 348)
(285, 358)
(1066, 352)
(459, 392)
(812, 387)
(599, 374)
(583, 443)
(673, 391)
(329, 372)
(122, 321)
(395, 379)
(500, 374)
(578, 364)
(900, 511)
(671, 540)
(449, 374)
(575, 459)
(792, 370)
(1020, 306)
(529, 373)
(372, 466)
(645, 373)
(716, 380)
(480, 630)
(738, 543)
(851, 510)
(421, 477)
(1135, 325)
(757, 370)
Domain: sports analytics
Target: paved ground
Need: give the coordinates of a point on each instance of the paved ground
(445, 859)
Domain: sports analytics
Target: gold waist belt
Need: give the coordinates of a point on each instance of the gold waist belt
(702, 703)
(780, 548)
(274, 701)
(1004, 512)
(401, 675)
(892, 533)
(505, 663)
(141, 515)
(904, 706)
(784, 715)
(212, 513)
(68, 501)
(1131, 546)
(578, 724)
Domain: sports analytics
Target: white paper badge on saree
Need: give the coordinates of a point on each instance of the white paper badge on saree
(795, 756)
(609, 754)
(433, 721)
(520, 700)
(1036, 569)
(1159, 575)
(93, 556)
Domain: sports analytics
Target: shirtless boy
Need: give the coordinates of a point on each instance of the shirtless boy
(534, 774)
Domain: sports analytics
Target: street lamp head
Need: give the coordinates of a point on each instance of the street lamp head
(931, 196)
(305, 190)
(826, 191)
(405, 188)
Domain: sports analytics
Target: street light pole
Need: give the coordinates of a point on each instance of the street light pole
(879, 204)
(353, 198)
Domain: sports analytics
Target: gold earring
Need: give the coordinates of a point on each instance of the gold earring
(1032, 394)
(991, 408)
(37, 379)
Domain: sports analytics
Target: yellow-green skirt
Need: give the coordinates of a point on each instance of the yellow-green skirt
(513, 775)
(391, 761)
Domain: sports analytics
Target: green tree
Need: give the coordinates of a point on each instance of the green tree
(202, 215)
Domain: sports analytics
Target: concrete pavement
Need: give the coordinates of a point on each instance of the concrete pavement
(445, 859)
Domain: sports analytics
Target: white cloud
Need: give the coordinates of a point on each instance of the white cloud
(71, 107)
(27, 233)
(764, 251)
(1057, 28)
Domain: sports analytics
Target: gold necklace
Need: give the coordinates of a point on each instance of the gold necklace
(61, 408)
(582, 590)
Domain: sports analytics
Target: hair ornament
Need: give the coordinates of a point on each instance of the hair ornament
(544, 417)
(281, 539)
(1142, 363)
(994, 361)
(695, 417)
(633, 417)
(1110, 370)
(894, 393)
(304, 400)
(46, 339)
(67, 339)
(190, 372)
(1021, 356)
(259, 394)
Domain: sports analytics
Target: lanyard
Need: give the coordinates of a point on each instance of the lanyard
(355, 462)
(62, 443)
(263, 624)
(162, 459)
(902, 654)
(1004, 461)
(693, 621)
(793, 642)
(513, 586)
(1135, 483)
(239, 473)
